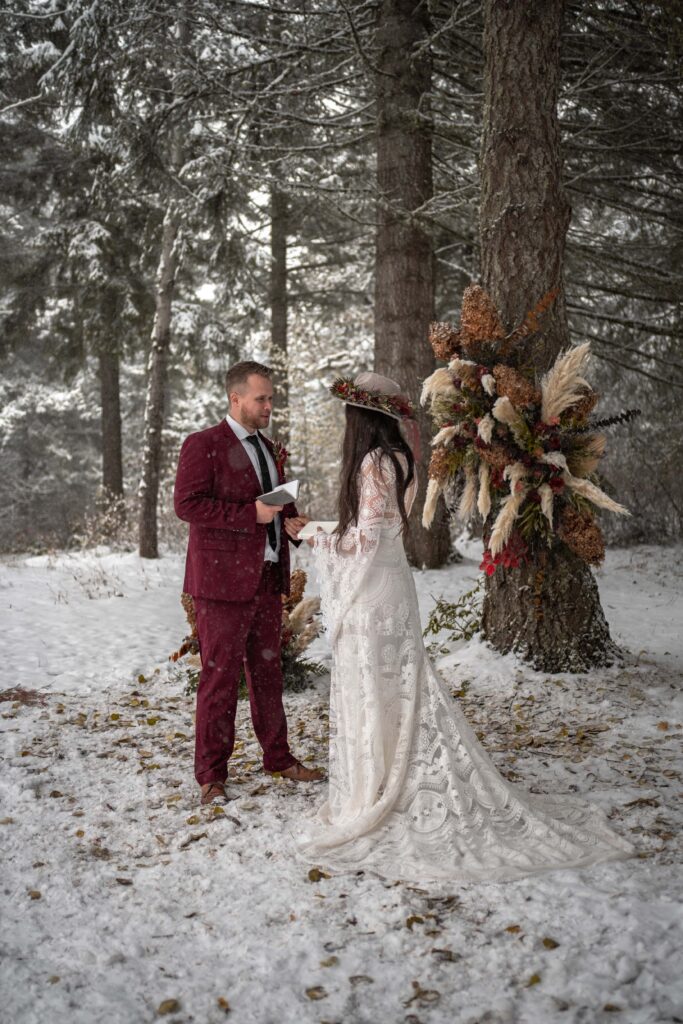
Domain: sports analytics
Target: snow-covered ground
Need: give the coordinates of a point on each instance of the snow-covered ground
(123, 901)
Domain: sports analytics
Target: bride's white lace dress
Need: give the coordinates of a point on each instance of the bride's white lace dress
(413, 795)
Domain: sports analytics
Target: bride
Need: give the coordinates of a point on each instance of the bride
(413, 795)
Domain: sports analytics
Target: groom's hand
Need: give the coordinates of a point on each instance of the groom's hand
(294, 524)
(266, 513)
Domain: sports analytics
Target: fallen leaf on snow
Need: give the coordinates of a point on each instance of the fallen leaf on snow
(168, 1006)
(316, 875)
(550, 943)
(446, 956)
(317, 992)
(192, 838)
(425, 996)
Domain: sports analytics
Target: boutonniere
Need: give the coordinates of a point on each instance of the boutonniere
(280, 454)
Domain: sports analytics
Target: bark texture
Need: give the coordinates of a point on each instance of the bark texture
(548, 611)
(524, 213)
(278, 312)
(404, 267)
(156, 387)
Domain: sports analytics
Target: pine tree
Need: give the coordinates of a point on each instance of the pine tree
(548, 610)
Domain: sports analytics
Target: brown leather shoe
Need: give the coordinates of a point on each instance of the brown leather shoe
(298, 772)
(214, 792)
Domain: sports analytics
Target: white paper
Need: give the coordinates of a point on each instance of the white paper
(282, 495)
(310, 529)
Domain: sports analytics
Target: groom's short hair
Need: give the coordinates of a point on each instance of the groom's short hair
(239, 373)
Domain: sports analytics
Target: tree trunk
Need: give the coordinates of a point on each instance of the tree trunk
(404, 261)
(110, 499)
(156, 385)
(110, 400)
(549, 611)
(278, 311)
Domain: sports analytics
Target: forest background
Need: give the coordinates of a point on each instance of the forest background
(189, 183)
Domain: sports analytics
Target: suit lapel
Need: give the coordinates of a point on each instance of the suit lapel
(238, 458)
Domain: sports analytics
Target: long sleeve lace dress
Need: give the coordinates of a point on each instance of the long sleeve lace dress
(413, 795)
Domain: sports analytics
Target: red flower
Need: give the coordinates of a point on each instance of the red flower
(512, 556)
(489, 563)
(280, 455)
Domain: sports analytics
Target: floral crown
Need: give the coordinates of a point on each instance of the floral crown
(348, 391)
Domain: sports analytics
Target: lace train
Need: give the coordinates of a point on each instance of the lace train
(412, 792)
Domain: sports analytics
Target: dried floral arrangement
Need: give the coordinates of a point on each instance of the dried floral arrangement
(524, 453)
(394, 405)
(300, 626)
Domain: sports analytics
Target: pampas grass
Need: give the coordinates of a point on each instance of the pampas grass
(305, 638)
(440, 383)
(587, 459)
(563, 386)
(445, 435)
(584, 487)
(484, 496)
(547, 497)
(431, 498)
(514, 472)
(304, 611)
(468, 501)
(485, 428)
(502, 528)
(555, 459)
(593, 493)
(505, 412)
(488, 382)
(466, 369)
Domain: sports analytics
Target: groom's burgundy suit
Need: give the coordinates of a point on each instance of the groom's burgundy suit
(237, 598)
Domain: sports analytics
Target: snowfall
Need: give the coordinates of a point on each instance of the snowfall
(125, 901)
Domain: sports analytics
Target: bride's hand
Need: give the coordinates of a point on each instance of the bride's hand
(311, 540)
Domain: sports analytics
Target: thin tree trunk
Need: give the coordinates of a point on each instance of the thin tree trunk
(548, 611)
(279, 218)
(156, 385)
(110, 401)
(404, 267)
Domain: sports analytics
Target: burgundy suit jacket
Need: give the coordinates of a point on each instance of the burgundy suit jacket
(215, 489)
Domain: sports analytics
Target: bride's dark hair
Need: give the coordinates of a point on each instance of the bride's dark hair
(365, 431)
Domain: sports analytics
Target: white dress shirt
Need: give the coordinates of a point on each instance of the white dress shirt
(270, 554)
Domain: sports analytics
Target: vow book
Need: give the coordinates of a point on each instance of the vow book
(282, 495)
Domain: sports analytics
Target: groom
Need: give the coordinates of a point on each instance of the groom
(237, 568)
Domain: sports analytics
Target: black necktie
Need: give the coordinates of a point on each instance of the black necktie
(267, 485)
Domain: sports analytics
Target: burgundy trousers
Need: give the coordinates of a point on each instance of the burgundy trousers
(232, 634)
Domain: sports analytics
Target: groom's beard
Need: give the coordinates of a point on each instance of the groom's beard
(257, 421)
